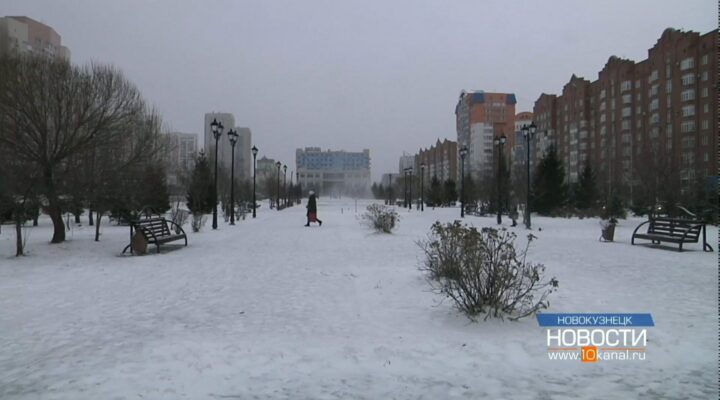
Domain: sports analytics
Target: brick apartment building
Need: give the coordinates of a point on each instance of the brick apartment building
(641, 125)
(480, 116)
(441, 161)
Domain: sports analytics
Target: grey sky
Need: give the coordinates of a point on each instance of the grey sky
(383, 75)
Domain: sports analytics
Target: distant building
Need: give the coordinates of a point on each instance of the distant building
(480, 117)
(406, 161)
(266, 166)
(441, 161)
(243, 153)
(25, 35)
(334, 173)
(180, 156)
(518, 143)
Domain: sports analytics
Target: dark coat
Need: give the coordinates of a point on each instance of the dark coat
(311, 204)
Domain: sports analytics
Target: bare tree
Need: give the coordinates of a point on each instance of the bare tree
(53, 111)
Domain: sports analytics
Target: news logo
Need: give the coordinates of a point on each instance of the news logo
(591, 338)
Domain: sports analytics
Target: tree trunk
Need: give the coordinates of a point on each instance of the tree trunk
(35, 219)
(54, 209)
(18, 237)
(97, 227)
(77, 218)
(90, 218)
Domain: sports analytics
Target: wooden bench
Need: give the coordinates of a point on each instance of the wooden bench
(155, 231)
(673, 230)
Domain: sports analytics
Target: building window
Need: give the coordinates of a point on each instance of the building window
(626, 111)
(626, 124)
(688, 79)
(653, 76)
(687, 63)
(668, 86)
(654, 104)
(687, 126)
(705, 92)
(627, 98)
(637, 84)
(626, 85)
(687, 95)
(655, 118)
(705, 59)
(704, 76)
(705, 124)
(688, 111)
(653, 90)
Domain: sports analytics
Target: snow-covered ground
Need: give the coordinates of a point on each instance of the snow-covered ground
(271, 309)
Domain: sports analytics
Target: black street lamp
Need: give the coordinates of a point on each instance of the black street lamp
(233, 136)
(277, 200)
(254, 153)
(529, 133)
(422, 187)
(463, 154)
(289, 194)
(405, 188)
(298, 190)
(410, 172)
(217, 130)
(499, 143)
(390, 191)
(285, 185)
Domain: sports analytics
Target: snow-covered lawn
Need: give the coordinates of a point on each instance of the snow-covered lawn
(271, 309)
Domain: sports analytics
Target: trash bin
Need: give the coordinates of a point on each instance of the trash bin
(607, 231)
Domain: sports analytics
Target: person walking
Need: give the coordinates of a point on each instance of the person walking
(312, 210)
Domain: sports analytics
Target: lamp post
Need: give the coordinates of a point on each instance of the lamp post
(529, 133)
(422, 187)
(217, 129)
(405, 187)
(390, 191)
(410, 171)
(298, 190)
(254, 153)
(277, 200)
(499, 143)
(463, 154)
(285, 185)
(233, 136)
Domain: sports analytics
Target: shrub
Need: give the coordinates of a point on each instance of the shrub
(198, 221)
(482, 272)
(381, 218)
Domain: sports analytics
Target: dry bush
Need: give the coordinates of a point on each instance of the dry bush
(381, 218)
(482, 272)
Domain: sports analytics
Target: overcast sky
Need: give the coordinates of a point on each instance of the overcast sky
(383, 75)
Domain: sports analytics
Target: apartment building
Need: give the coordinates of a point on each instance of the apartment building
(20, 34)
(441, 161)
(640, 121)
(243, 148)
(480, 117)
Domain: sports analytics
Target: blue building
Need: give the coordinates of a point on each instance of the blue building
(334, 173)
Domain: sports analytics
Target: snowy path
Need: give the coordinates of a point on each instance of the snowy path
(271, 309)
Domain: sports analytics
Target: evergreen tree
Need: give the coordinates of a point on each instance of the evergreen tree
(435, 194)
(200, 195)
(450, 193)
(549, 190)
(586, 190)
